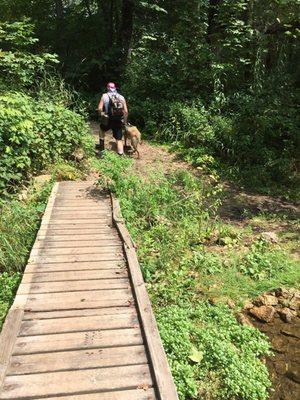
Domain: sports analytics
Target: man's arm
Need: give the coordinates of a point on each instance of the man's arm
(100, 105)
(125, 112)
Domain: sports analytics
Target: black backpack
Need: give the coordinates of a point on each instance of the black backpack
(116, 105)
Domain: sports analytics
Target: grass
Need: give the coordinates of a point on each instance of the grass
(193, 264)
(19, 222)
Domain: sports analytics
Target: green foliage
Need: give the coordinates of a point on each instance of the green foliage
(170, 217)
(20, 67)
(204, 339)
(8, 287)
(19, 222)
(34, 134)
(18, 225)
(261, 262)
(66, 172)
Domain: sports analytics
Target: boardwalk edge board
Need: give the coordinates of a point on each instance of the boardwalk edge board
(158, 359)
(15, 314)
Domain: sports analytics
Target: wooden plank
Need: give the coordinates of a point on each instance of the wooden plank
(77, 341)
(78, 266)
(77, 324)
(73, 286)
(112, 311)
(78, 203)
(93, 238)
(56, 244)
(70, 382)
(96, 214)
(143, 393)
(78, 359)
(82, 208)
(160, 367)
(75, 304)
(83, 221)
(80, 226)
(8, 337)
(78, 216)
(80, 295)
(99, 230)
(76, 258)
(114, 249)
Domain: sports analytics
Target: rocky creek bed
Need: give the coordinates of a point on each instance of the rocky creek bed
(277, 314)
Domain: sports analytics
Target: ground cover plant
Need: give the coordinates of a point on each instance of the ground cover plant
(19, 222)
(194, 264)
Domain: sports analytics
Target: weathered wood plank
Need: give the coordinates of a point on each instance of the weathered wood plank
(70, 382)
(78, 359)
(76, 304)
(80, 226)
(77, 341)
(85, 312)
(80, 239)
(49, 251)
(142, 393)
(80, 295)
(99, 230)
(76, 258)
(74, 275)
(77, 266)
(59, 244)
(82, 221)
(77, 324)
(73, 286)
(161, 370)
(8, 338)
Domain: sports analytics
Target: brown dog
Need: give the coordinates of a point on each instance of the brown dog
(134, 135)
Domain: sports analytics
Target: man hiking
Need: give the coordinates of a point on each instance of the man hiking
(114, 112)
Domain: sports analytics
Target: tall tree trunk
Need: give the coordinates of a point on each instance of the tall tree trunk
(126, 30)
(59, 10)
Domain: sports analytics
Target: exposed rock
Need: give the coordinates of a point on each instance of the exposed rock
(294, 373)
(283, 292)
(263, 313)
(281, 367)
(243, 319)
(269, 237)
(293, 303)
(248, 305)
(286, 314)
(266, 300)
(292, 331)
(231, 304)
(279, 344)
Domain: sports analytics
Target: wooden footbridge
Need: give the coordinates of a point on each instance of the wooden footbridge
(81, 326)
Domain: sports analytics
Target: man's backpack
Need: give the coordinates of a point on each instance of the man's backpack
(116, 105)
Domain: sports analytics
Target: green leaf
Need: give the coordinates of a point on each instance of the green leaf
(196, 356)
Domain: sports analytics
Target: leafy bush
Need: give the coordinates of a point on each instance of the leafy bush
(19, 66)
(34, 134)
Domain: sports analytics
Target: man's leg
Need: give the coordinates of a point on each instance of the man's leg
(117, 132)
(120, 147)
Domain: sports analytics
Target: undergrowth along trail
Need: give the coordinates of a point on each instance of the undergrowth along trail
(195, 263)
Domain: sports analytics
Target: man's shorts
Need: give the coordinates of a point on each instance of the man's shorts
(116, 126)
